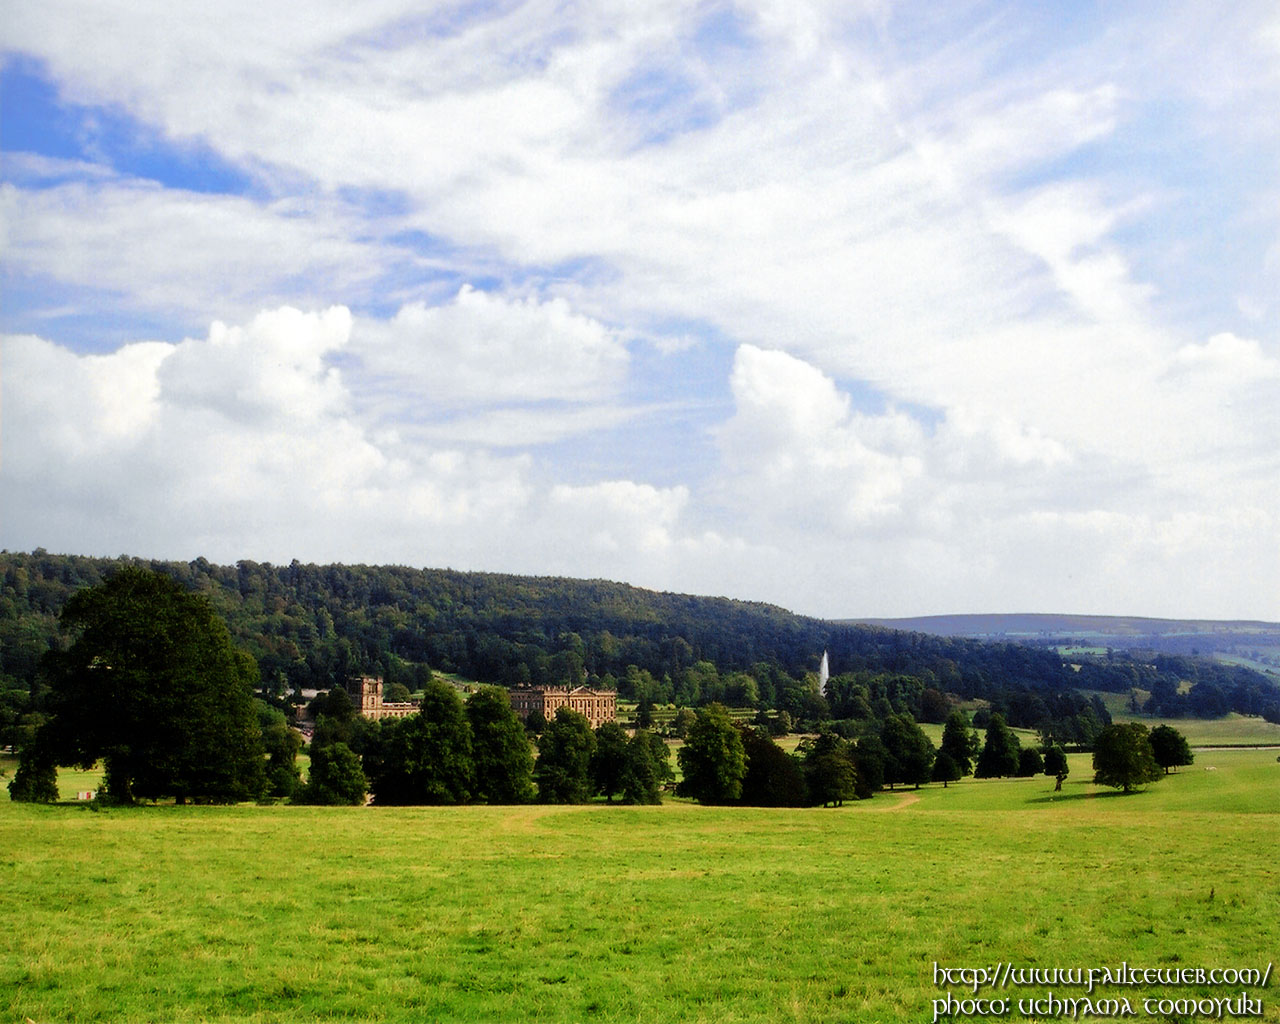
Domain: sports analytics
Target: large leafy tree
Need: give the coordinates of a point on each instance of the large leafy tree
(829, 770)
(1122, 757)
(1170, 747)
(999, 755)
(426, 758)
(500, 749)
(563, 768)
(712, 759)
(774, 778)
(152, 686)
(910, 751)
(609, 762)
(958, 741)
(647, 768)
(336, 777)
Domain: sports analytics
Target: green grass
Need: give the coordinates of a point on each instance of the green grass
(672, 913)
(1231, 730)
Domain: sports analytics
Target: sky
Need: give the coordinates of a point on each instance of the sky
(860, 308)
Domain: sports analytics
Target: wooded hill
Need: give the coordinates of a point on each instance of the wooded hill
(310, 626)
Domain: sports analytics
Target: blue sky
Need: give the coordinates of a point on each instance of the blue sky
(862, 309)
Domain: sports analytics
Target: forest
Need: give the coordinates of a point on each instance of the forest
(312, 626)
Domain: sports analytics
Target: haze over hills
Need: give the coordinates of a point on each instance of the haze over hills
(1252, 642)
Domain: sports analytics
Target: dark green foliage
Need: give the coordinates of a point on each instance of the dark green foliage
(910, 754)
(999, 757)
(647, 768)
(829, 771)
(682, 722)
(426, 758)
(500, 749)
(869, 759)
(282, 745)
(945, 769)
(609, 761)
(153, 687)
(1029, 762)
(1122, 757)
(1055, 762)
(535, 722)
(712, 760)
(934, 706)
(1170, 748)
(958, 741)
(36, 780)
(563, 769)
(774, 778)
(336, 777)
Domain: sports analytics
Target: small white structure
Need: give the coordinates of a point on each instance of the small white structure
(824, 673)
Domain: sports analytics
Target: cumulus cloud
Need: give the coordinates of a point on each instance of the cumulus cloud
(489, 349)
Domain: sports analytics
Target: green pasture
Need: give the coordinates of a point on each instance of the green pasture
(671, 913)
(1230, 730)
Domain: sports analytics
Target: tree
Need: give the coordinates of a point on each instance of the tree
(934, 706)
(682, 722)
(427, 758)
(945, 769)
(609, 761)
(336, 777)
(1122, 757)
(1029, 762)
(500, 749)
(958, 741)
(999, 757)
(563, 768)
(829, 771)
(911, 754)
(36, 780)
(282, 745)
(646, 768)
(712, 759)
(869, 759)
(773, 778)
(152, 686)
(1170, 748)
(1055, 764)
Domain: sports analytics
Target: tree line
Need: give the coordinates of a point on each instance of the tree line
(152, 686)
(313, 627)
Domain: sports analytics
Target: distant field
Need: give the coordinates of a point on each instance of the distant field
(672, 913)
(1232, 730)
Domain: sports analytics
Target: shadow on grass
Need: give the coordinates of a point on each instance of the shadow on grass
(1058, 798)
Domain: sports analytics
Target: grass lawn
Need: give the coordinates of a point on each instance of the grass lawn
(672, 913)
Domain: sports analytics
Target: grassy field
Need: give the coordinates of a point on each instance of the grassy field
(672, 913)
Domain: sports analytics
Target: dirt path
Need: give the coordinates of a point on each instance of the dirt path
(907, 800)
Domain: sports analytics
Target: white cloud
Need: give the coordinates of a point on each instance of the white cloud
(975, 220)
(487, 349)
(183, 251)
(1227, 359)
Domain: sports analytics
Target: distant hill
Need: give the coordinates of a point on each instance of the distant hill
(1248, 642)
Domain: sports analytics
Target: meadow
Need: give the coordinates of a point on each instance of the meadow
(671, 913)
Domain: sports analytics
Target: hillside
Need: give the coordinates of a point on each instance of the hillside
(309, 626)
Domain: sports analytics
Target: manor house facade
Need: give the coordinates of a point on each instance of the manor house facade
(366, 695)
(597, 706)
